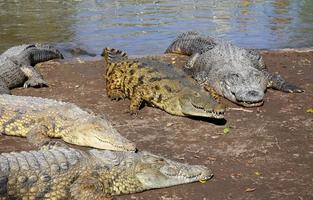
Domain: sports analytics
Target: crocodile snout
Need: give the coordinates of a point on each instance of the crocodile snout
(249, 98)
(253, 93)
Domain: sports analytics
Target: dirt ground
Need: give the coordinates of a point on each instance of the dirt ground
(267, 154)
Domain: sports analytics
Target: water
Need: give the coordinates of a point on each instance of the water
(144, 27)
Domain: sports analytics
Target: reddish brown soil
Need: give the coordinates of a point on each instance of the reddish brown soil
(268, 153)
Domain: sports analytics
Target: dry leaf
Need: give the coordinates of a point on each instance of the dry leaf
(309, 110)
(226, 130)
(250, 189)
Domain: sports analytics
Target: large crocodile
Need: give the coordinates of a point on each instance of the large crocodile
(38, 119)
(158, 84)
(16, 65)
(66, 173)
(238, 74)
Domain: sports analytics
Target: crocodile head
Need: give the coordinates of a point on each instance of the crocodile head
(98, 133)
(238, 75)
(136, 172)
(245, 88)
(199, 104)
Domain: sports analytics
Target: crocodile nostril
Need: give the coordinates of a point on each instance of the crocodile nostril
(253, 93)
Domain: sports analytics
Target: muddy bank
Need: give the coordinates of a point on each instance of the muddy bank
(267, 154)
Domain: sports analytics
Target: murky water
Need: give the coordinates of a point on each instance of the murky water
(148, 26)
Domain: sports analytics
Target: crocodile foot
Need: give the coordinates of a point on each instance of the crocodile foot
(292, 88)
(35, 83)
(53, 144)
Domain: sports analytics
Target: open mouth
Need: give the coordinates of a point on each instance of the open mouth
(211, 113)
(250, 104)
(218, 115)
(125, 146)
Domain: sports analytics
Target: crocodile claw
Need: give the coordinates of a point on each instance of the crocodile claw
(35, 83)
(292, 88)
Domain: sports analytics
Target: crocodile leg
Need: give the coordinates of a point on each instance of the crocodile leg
(277, 82)
(115, 94)
(34, 78)
(88, 187)
(4, 88)
(212, 92)
(113, 88)
(191, 61)
(38, 135)
(135, 102)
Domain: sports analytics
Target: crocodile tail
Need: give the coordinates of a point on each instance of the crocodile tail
(189, 43)
(112, 55)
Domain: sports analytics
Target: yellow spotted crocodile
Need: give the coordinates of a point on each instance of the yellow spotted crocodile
(157, 84)
(59, 173)
(39, 119)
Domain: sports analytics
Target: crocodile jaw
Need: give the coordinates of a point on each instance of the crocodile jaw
(189, 109)
(110, 140)
(166, 173)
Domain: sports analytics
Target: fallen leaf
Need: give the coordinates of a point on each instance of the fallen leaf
(226, 130)
(309, 110)
(203, 181)
(250, 189)
(258, 173)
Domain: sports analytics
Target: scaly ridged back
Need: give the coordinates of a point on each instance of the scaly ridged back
(189, 43)
(32, 56)
(39, 161)
(40, 174)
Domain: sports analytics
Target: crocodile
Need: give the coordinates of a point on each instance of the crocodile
(39, 119)
(16, 65)
(157, 84)
(67, 173)
(238, 74)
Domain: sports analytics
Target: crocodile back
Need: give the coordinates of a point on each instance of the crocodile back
(16, 50)
(190, 43)
(28, 102)
(10, 73)
(36, 173)
(32, 56)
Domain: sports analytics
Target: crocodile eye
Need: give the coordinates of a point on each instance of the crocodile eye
(197, 94)
(153, 160)
(234, 76)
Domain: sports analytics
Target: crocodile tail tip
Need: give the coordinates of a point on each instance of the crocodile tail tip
(111, 54)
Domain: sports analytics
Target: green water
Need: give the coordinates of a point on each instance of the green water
(147, 27)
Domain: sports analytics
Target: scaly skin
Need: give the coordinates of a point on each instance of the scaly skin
(238, 74)
(66, 173)
(16, 66)
(158, 84)
(38, 119)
